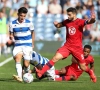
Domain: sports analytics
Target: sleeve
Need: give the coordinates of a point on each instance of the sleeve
(10, 28)
(83, 22)
(65, 22)
(31, 26)
(92, 59)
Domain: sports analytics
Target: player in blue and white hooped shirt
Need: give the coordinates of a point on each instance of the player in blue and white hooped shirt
(22, 31)
(39, 61)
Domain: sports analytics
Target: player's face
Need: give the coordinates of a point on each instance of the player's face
(21, 17)
(86, 52)
(71, 16)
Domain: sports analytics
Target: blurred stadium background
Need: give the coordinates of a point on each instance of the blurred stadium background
(43, 12)
(48, 39)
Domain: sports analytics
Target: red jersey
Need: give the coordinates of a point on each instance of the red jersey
(74, 31)
(76, 69)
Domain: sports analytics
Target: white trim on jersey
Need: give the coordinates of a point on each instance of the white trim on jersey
(20, 34)
(24, 41)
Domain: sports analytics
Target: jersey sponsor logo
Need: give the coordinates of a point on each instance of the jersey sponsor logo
(82, 56)
(72, 30)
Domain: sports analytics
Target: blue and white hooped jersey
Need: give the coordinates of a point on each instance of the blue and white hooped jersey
(22, 32)
(37, 59)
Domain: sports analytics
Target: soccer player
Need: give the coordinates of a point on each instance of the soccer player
(73, 45)
(22, 31)
(39, 61)
(73, 71)
(3, 32)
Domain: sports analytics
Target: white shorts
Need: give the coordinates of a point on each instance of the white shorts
(51, 73)
(26, 50)
(3, 38)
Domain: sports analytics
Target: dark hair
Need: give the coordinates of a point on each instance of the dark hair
(22, 10)
(71, 9)
(88, 46)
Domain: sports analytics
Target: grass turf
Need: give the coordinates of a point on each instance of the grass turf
(83, 83)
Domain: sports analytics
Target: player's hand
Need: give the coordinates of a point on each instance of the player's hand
(93, 15)
(55, 23)
(33, 46)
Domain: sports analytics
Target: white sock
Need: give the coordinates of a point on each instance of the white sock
(19, 69)
(26, 70)
(5, 49)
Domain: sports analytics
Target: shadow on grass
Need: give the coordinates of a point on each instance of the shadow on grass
(37, 81)
(7, 80)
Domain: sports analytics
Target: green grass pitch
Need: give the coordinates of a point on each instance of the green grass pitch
(83, 83)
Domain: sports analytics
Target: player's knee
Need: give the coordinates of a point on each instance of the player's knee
(26, 64)
(62, 71)
(55, 59)
(73, 78)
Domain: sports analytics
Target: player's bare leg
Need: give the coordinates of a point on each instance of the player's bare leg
(62, 71)
(51, 63)
(18, 58)
(26, 66)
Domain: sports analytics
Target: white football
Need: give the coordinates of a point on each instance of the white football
(28, 78)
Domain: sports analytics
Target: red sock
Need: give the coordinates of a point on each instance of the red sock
(63, 78)
(67, 78)
(47, 66)
(58, 79)
(57, 72)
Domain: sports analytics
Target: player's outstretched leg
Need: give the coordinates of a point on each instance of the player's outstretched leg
(44, 69)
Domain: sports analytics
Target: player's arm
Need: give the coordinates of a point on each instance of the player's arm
(58, 25)
(92, 19)
(11, 35)
(92, 66)
(74, 60)
(39, 66)
(32, 33)
(33, 38)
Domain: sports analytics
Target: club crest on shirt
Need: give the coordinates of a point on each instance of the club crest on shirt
(71, 30)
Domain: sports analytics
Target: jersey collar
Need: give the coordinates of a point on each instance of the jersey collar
(20, 23)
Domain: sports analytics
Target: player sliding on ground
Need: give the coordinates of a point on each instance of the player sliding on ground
(73, 72)
(73, 45)
(39, 61)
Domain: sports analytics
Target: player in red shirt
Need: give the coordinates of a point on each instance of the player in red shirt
(73, 45)
(73, 71)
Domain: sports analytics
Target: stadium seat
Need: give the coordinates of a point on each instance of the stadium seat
(48, 30)
(49, 37)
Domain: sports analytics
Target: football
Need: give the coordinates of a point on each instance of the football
(28, 78)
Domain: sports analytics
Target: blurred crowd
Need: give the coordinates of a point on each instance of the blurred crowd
(43, 12)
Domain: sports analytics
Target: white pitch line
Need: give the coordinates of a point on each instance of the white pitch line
(6, 61)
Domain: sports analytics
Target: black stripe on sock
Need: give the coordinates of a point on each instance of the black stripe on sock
(63, 78)
(49, 65)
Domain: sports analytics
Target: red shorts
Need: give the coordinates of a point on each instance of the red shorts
(77, 52)
(72, 72)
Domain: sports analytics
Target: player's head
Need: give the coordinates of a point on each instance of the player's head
(87, 49)
(22, 14)
(71, 12)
